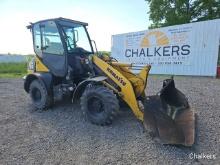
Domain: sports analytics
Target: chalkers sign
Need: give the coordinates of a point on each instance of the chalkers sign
(158, 47)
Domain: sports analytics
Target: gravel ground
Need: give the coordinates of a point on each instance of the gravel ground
(62, 135)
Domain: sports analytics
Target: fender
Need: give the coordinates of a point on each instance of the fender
(46, 79)
(81, 86)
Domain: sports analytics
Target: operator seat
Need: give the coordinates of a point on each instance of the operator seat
(76, 68)
(75, 63)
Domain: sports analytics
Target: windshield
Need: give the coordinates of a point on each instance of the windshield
(76, 37)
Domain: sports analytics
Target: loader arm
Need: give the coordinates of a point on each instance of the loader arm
(131, 85)
(166, 115)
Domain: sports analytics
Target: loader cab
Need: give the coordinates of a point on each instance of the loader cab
(62, 44)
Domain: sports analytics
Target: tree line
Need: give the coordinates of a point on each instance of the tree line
(173, 12)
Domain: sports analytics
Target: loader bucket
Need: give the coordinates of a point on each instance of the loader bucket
(168, 117)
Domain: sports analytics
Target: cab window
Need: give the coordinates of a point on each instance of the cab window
(51, 41)
(37, 40)
(76, 37)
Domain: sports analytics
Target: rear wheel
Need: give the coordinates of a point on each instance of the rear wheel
(100, 104)
(39, 95)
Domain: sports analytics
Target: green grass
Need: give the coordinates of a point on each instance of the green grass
(11, 75)
(12, 70)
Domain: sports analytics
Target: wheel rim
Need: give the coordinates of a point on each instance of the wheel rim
(95, 105)
(36, 94)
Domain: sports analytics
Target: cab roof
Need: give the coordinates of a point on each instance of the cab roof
(60, 19)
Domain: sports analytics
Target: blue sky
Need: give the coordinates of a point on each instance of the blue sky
(105, 18)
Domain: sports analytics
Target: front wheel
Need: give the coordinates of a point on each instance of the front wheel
(39, 95)
(100, 104)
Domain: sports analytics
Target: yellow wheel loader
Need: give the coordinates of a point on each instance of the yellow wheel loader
(66, 65)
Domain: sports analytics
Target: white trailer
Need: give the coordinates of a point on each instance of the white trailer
(188, 49)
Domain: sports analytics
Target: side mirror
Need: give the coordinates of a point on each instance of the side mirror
(76, 35)
(94, 43)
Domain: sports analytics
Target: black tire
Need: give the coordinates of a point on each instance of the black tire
(123, 105)
(39, 95)
(100, 104)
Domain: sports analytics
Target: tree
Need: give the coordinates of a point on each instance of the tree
(206, 10)
(173, 12)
